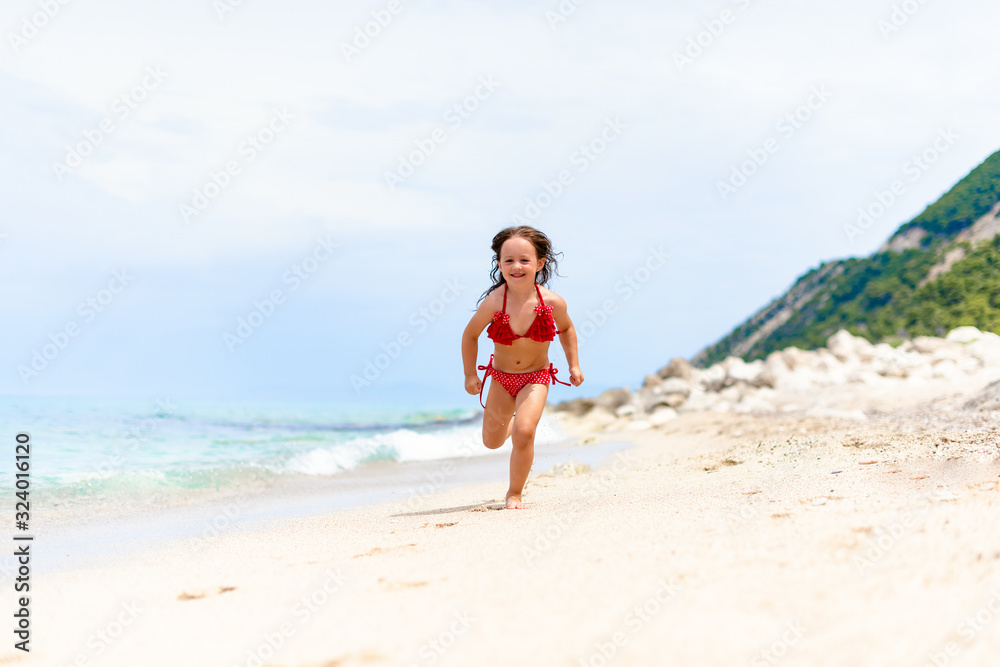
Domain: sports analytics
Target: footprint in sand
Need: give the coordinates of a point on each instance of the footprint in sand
(487, 508)
(400, 585)
(197, 596)
(365, 658)
(725, 463)
(380, 550)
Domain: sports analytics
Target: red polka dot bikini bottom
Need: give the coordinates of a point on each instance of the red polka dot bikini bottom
(515, 382)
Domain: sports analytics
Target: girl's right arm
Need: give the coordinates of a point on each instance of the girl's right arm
(470, 343)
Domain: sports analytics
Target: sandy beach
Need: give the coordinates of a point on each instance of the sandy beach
(716, 539)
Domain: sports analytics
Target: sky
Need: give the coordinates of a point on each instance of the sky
(225, 200)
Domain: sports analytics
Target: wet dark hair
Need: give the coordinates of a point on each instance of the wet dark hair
(543, 250)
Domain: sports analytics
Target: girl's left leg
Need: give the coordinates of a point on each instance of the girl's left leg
(528, 405)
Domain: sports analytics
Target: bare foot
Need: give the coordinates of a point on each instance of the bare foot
(514, 502)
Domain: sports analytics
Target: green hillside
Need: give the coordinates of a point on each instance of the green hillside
(971, 198)
(890, 295)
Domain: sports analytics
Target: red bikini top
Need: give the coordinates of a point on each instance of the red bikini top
(542, 329)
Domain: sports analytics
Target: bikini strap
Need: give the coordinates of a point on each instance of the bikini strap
(540, 299)
(489, 369)
(504, 309)
(552, 372)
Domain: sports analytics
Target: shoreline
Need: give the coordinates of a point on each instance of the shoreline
(93, 531)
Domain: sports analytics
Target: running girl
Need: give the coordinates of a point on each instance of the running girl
(523, 262)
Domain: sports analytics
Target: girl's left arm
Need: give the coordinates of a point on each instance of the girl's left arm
(567, 338)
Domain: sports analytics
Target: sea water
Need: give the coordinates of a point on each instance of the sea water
(112, 476)
(105, 446)
(103, 449)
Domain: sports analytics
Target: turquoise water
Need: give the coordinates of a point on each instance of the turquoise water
(102, 448)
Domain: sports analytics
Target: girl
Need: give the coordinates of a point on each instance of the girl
(517, 301)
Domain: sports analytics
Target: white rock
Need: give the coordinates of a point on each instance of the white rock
(597, 418)
(827, 361)
(866, 376)
(570, 469)
(970, 364)
(734, 393)
(842, 345)
(964, 335)
(626, 410)
(755, 404)
(638, 425)
(674, 386)
(700, 403)
(652, 381)
(947, 369)
(892, 362)
(775, 370)
(662, 415)
(921, 372)
(713, 378)
(796, 358)
(673, 400)
(952, 351)
(928, 344)
(738, 370)
(864, 349)
(802, 379)
(986, 349)
(613, 399)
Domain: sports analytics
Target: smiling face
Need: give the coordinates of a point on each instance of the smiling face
(518, 261)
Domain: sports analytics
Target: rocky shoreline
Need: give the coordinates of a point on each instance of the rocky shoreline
(850, 378)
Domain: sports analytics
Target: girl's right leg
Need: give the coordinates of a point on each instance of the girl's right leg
(498, 418)
(530, 403)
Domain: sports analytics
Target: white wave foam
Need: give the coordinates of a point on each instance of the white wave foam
(406, 445)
